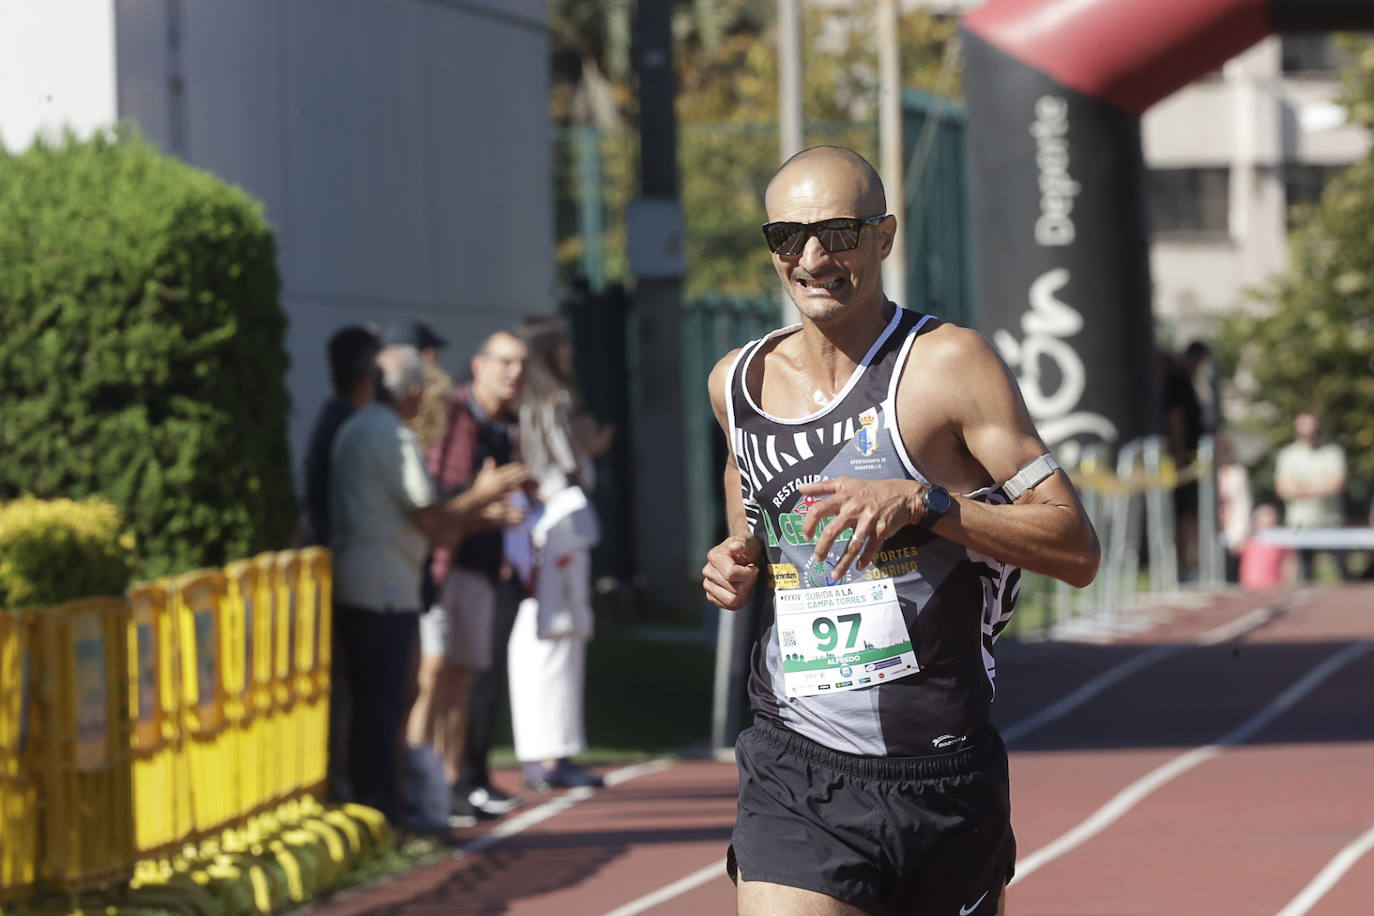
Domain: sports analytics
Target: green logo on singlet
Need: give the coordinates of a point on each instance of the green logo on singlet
(791, 531)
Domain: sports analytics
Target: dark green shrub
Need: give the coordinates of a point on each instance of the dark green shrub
(141, 348)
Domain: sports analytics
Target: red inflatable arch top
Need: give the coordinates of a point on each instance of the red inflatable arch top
(1132, 53)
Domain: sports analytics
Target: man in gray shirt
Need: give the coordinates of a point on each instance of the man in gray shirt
(385, 514)
(1309, 475)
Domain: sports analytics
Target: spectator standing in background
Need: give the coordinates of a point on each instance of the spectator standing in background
(463, 636)
(548, 644)
(1369, 557)
(384, 515)
(1234, 502)
(1309, 476)
(1264, 565)
(352, 352)
(429, 420)
(1183, 425)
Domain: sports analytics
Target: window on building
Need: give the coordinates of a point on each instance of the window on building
(1303, 184)
(1193, 200)
(1307, 53)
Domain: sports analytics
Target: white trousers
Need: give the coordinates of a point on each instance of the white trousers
(546, 689)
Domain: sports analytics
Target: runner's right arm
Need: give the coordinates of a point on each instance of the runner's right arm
(732, 566)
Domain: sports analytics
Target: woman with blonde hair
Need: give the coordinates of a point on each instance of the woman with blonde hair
(547, 649)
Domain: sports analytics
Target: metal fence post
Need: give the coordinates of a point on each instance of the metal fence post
(1159, 518)
(1211, 558)
(1125, 549)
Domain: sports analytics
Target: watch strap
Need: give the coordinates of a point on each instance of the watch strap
(1029, 476)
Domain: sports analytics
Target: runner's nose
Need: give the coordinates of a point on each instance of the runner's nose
(813, 254)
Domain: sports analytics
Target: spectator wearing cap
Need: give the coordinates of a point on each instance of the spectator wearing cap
(429, 421)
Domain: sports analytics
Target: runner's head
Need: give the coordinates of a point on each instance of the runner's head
(826, 269)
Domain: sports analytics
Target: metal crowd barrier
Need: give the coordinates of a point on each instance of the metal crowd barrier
(314, 657)
(208, 646)
(132, 727)
(248, 584)
(163, 817)
(1129, 498)
(18, 769)
(85, 790)
(284, 576)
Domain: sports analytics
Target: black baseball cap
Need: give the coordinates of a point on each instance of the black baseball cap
(416, 333)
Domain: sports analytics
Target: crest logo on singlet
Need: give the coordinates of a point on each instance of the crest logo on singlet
(866, 439)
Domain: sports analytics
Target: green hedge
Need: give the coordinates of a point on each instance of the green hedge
(141, 348)
(59, 550)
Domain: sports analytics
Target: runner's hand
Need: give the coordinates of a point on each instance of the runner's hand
(732, 567)
(875, 509)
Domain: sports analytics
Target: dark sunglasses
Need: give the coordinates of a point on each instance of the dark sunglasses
(838, 234)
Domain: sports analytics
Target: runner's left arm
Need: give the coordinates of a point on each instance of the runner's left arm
(1045, 531)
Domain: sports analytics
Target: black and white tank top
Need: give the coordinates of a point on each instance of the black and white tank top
(954, 601)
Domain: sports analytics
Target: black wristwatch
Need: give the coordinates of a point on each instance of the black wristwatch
(936, 500)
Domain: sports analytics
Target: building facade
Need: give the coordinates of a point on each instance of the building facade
(401, 148)
(1228, 158)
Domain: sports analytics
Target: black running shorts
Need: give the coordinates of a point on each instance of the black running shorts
(889, 835)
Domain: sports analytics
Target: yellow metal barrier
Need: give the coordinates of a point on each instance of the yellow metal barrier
(313, 658)
(130, 728)
(270, 702)
(83, 732)
(210, 659)
(1096, 477)
(250, 592)
(163, 813)
(285, 567)
(18, 776)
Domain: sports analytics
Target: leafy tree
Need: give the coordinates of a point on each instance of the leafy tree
(1307, 342)
(727, 74)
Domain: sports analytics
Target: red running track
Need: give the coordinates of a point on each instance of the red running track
(1220, 762)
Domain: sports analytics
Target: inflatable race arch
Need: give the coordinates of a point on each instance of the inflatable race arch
(1055, 90)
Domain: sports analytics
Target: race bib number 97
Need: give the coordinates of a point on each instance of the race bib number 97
(842, 637)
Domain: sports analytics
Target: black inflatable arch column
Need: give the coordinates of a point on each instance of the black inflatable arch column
(1055, 92)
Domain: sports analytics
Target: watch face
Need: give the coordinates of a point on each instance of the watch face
(937, 500)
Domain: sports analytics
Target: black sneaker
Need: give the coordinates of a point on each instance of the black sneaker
(571, 776)
(464, 813)
(492, 802)
(564, 774)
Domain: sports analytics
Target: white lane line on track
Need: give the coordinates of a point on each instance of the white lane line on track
(1328, 876)
(1094, 686)
(681, 886)
(522, 822)
(1243, 624)
(625, 774)
(1137, 791)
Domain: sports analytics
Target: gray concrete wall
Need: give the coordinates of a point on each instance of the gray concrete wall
(401, 149)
